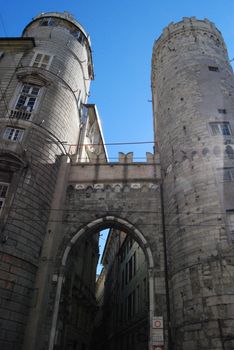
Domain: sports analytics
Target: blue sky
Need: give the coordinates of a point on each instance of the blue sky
(122, 35)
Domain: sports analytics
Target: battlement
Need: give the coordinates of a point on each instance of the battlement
(124, 158)
(189, 24)
(129, 158)
(125, 170)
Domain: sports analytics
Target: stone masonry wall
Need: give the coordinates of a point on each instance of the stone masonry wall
(188, 96)
(109, 193)
(55, 120)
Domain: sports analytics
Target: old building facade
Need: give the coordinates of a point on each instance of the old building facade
(58, 189)
(125, 305)
(44, 115)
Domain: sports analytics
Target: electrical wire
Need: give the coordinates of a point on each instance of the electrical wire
(187, 212)
(109, 143)
(181, 225)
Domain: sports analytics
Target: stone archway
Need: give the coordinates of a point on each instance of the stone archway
(97, 225)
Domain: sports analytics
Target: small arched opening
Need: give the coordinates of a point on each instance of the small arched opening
(124, 285)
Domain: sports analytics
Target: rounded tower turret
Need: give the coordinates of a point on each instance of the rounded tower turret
(45, 80)
(193, 89)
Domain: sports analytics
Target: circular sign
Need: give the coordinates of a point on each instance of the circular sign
(157, 324)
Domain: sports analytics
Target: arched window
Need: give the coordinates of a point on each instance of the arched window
(229, 151)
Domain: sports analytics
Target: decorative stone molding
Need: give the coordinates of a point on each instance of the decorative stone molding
(116, 187)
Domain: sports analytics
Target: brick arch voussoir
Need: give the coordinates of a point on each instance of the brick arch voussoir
(106, 222)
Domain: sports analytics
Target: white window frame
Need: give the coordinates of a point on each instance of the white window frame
(39, 62)
(28, 97)
(13, 134)
(4, 187)
(219, 131)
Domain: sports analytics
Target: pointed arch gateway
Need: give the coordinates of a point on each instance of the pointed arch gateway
(95, 226)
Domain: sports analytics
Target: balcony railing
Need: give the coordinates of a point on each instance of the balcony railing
(20, 114)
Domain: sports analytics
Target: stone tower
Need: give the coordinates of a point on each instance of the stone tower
(45, 79)
(193, 103)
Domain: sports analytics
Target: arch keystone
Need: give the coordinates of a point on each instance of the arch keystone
(111, 218)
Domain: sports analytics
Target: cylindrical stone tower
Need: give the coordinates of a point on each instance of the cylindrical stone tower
(193, 102)
(45, 78)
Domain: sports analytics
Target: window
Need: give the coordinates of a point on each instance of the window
(3, 193)
(47, 22)
(130, 269)
(222, 128)
(126, 273)
(79, 36)
(138, 299)
(230, 220)
(222, 111)
(229, 152)
(13, 134)
(27, 98)
(227, 174)
(131, 305)
(213, 69)
(145, 291)
(41, 60)
(134, 264)
(122, 282)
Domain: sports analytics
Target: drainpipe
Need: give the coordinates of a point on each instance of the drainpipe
(166, 270)
(56, 311)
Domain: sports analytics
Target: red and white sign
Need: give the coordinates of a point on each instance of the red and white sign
(158, 322)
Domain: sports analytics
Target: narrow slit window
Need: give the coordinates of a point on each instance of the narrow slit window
(213, 68)
(222, 111)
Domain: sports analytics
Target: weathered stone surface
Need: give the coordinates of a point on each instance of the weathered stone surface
(192, 87)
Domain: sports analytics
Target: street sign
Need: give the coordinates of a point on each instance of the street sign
(157, 322)
(157, 337)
